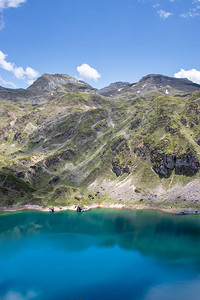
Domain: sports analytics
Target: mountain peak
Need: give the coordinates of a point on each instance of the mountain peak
(59, 82)
(160, 82)
(113, 88)
(51, 81)
(163, 78)
(151, 82)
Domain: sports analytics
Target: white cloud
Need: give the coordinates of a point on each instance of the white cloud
(30, 82)
(164, 14)
(193, 12)
(31, 73)
(193, 75)
(4, 4)
(87, 72)
(18, 72)
(4, 64)
(10, 3)
(7, 83)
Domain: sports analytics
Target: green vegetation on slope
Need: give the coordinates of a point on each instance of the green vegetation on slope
(77, 146)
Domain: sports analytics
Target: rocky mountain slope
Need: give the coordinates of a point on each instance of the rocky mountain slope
(150, 83)
(64, 142)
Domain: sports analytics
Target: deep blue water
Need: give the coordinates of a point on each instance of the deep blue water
(101, 254)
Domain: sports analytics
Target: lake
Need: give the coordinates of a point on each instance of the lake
(100, 254)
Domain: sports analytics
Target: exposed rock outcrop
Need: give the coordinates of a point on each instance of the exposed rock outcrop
(184, 164)
(60, 135)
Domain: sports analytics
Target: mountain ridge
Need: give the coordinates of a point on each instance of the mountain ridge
(63, 143)
(51, 82)
(157, 82)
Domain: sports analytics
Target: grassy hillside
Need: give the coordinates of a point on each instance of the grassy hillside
(82, 148)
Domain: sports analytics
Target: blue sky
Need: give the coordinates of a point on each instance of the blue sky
(109, 40)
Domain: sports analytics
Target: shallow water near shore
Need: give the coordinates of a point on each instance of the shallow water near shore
(99, 254)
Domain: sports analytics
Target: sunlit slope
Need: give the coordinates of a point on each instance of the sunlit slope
(78, 146)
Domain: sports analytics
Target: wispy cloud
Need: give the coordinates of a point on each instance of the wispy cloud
(20, 73)
(87, 72)
(192, 12)
(164, 14)
(193, 75)
(4, 4)
(10, 3)
(7, 83)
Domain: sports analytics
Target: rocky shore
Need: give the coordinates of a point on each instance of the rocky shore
(77, 208)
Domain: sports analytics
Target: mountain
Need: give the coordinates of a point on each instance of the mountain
(45, 88)
(113, 89)
(63, 142)
(153, 82)
(62, 82)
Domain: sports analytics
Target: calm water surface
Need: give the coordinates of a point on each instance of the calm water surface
(101, 254)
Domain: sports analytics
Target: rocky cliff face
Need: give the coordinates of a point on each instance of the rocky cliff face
(63, 142)
(185, 164)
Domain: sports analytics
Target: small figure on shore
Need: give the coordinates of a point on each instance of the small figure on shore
(51, 209)
(81, 209)
(78, 209)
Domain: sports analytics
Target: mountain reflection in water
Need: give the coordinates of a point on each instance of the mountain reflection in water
(146, 252)
(166, 235)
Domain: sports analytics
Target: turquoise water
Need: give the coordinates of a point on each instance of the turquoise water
(101, 254)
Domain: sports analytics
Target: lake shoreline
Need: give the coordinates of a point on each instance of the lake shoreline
(173, 211)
